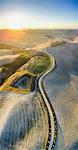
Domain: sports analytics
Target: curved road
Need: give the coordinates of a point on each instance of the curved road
(52, 116)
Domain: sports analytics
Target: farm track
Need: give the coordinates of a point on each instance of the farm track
(51, 113)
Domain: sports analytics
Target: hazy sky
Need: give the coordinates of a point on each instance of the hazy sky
(39, 13)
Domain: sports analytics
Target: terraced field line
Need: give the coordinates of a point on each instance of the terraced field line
(51, 141)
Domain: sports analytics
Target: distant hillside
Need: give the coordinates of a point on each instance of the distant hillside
(31, 38)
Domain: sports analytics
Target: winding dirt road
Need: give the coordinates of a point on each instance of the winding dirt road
(52, 116)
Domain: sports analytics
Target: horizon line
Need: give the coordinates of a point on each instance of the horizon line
(40, 28)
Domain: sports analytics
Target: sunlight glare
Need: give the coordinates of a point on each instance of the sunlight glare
(15, 21)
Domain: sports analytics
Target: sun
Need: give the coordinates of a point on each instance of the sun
(15, 25)
(15, 21)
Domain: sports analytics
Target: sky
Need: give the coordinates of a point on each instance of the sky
(38, 14)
